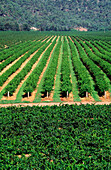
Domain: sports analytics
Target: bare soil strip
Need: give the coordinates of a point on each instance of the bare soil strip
(32, 97)
(45, 39)
(69, 99)
(87, 99)
(50, 39)
(71, 39)
(14, 74)
(52, 104)
(8, 66)
(108, 97)
(2, 61)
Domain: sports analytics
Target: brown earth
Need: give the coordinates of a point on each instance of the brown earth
(108, 97)
(2, 61)
(52, 104)
(49, 98)
(71, 39)
(87, 99)
(69, 99)
(46, 38)
(50, 39)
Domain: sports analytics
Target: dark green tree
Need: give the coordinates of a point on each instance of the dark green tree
(25, 27)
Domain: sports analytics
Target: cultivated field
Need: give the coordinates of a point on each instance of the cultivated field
(56, 138)
(55, 68)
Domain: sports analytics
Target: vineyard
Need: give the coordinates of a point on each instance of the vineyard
(55, 68)
(56, 138)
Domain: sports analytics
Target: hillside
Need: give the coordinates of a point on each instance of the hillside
(55, 14)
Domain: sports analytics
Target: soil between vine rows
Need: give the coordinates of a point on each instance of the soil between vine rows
(53, 103)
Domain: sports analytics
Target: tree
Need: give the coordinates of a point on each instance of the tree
(1, 26)
(25, 27)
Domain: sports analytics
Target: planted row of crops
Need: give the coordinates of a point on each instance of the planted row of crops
(84, 80)
(57, 83)
(16, 66)
(12, 51)
(7, 50)
(96, 52)
(66, 86)
(9, 39)
(11, 87)
(105, 66)
(101, 81)
(103, 51)
(64, 137)
(51, 71)
(31, 82)
(17, 53)
(75, 90)
(104, 46)
(79, 57)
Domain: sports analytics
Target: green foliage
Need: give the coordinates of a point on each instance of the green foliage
(98, 75)
(105, 66)
(34, 76)
(73, 77)
(55, 15)
(20, 76)
(64, 137)
(14, 67)
(98, 51)
(88, 61)
(12, 55)
(84, 81)
(50, 74)
(56, 96)
(66, 85)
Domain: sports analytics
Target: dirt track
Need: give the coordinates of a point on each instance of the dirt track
(52, 103)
